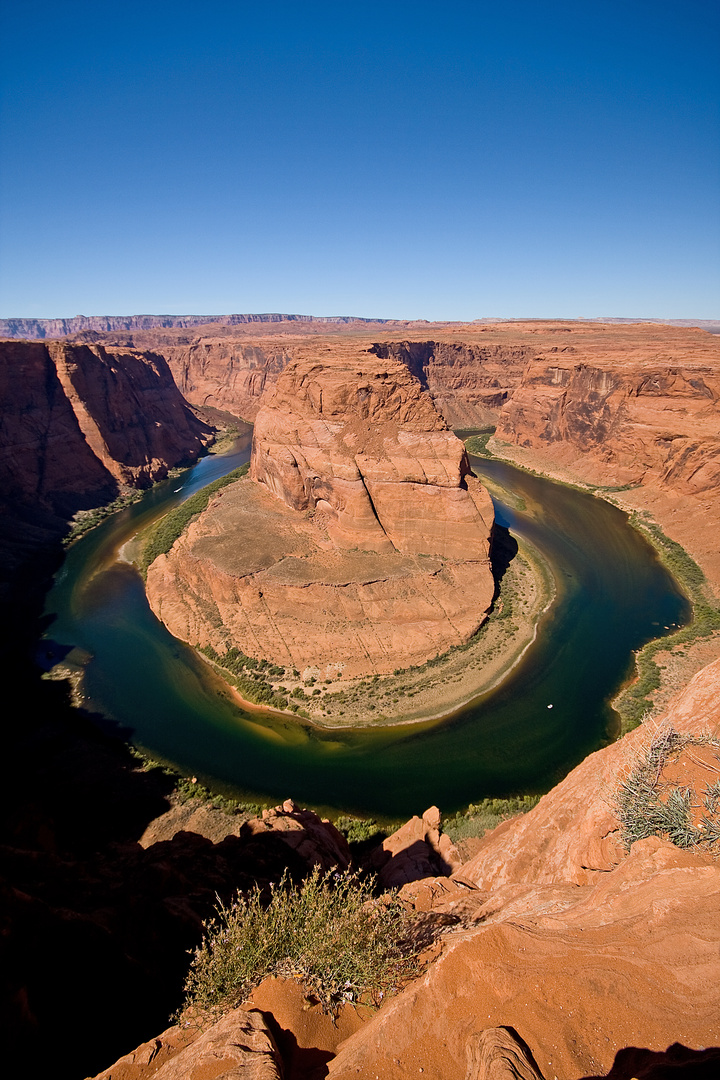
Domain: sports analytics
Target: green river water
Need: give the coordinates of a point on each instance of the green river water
(613, 595)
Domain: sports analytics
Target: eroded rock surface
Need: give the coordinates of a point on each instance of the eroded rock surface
(609, 404)
(581, 948)
(361, 540)
(573, 833)
(578, 972)
(238, 1047)
(418, 849)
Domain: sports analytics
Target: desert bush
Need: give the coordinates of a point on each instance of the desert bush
(480, 817)
(477, 444)
(634, 702)
(85, 520)
(328, 932)
(647, 807)
(185, 788)
(359, 830)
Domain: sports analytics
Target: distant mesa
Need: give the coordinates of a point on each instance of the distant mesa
(55, 328)
(360, 538)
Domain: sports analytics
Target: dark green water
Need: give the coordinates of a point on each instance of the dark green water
(613, 596)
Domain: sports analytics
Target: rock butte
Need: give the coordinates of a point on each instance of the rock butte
(360, 541)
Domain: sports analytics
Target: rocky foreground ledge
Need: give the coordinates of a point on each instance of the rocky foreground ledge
(565, 955)
(359, 544)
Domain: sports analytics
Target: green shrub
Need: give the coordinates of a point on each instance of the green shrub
(477, 444)
(358, 830)
(480, 817)
(327, 932)
(185, 788)
(85, 520)
(633, 702)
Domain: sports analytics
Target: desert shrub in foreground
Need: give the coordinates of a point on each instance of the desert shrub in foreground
(645, 806)
(328, 932)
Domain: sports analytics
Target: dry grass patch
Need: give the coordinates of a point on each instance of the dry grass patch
(673, 791)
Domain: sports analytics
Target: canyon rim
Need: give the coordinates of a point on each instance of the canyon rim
(629, 408)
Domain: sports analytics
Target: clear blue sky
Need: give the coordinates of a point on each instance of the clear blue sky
(397, 159)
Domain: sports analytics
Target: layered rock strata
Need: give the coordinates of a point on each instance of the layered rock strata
(78, 422)
(77, 419)
(55, 328)
(361, 539)
(623, 404)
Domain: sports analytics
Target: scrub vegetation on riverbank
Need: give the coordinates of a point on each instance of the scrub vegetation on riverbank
(163, 535)
(485, 815)
(255, 680)
(421, 692)
(85, 520)
(634, 701)
(361, 833)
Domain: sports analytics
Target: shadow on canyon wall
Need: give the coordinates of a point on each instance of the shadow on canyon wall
(97, 928)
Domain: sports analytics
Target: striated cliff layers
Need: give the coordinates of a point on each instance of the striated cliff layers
(77, 422)
(78, 418)
(360, 540)
(629, 405)
(623, 403)
(54, 328)
(224, 374)
(469, 383)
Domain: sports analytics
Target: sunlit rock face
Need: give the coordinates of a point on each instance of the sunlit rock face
(360, 540)
(367, 450)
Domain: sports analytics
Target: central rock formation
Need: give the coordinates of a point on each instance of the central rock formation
(360, 542)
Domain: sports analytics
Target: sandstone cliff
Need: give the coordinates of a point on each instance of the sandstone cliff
(580, 947)
(622, 403)
(607, 404)
(76, 416)
(226, 374)
(361, 540)
(55, 328)
(77, 422)
(363, 446)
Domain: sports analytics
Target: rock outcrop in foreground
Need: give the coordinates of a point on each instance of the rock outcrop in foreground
(565, 956)
(360, 541)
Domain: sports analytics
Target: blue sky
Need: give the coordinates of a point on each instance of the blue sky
(402, 160)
